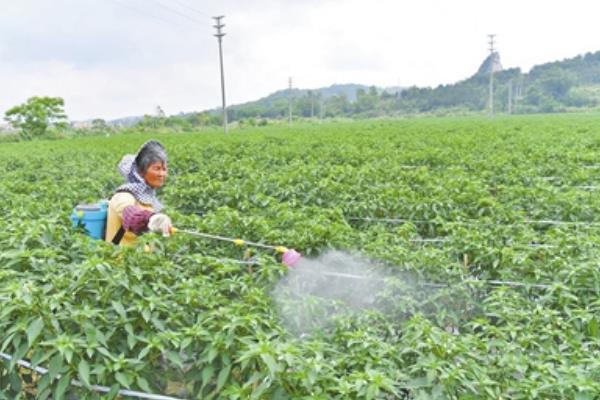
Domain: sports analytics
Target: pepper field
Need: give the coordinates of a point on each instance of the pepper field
(501, 217)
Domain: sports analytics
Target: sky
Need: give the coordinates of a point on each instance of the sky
(116, 58)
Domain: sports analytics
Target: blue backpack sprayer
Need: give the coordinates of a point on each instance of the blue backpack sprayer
(92, 217)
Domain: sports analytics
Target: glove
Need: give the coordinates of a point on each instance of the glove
(160, 223)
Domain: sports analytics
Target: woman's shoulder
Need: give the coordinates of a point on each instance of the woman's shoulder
(121, 198)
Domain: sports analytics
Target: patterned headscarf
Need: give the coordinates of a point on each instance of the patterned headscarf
(136, 185)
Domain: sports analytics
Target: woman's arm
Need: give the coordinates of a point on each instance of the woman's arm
(135, 219)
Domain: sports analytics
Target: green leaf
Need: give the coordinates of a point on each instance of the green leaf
(68, 355)
(55, 366)
(105, 353)
(15, 381)
(143, 384)
(273, 366)
(131, 341)
(143, 353)
(158, 324)
(114, 391)
(222, 377)
(18, 355)
(118, 307)
(43, 385)
(212, 354)
(34, 330)
(207, 373)
(123, 379)
(175, 359)
(84, 372)
(61, 387)
(43, 394)
(593, 328)
(256, 394)
(185, 343)
(416, 383)
(40, 356)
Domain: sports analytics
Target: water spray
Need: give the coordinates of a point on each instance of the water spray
(291, 257)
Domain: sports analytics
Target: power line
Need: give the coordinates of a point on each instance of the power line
(176, 12)
(144, 11)
(191, 8)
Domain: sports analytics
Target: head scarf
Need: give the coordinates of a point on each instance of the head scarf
(135, 184)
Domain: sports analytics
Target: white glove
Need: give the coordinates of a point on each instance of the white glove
(160, 223)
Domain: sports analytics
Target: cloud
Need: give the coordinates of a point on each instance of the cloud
(113, 58)
(112, 92)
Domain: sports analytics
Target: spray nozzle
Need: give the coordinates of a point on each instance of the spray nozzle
(290, 257)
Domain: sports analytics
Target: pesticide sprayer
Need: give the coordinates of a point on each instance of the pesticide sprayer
(93, 218)
(289, 256)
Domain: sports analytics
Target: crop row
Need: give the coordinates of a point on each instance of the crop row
(184, 321)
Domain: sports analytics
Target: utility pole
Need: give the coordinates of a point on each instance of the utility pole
(517, 94)
(510, 96)
(491, 100)
(290, 101)
(219, 36)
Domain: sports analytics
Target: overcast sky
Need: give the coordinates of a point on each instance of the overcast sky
(116, 58)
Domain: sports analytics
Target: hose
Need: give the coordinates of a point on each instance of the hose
(237, 242)
(289, 256)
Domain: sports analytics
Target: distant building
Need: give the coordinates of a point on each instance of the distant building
(7, 128)
(81, 124)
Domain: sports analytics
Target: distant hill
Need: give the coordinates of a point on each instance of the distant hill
(572, 84)
(306, 102)
(348, 90)
(492, 62)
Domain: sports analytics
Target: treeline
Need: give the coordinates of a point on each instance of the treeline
(568, 85)
(554, 87)
(183, 123)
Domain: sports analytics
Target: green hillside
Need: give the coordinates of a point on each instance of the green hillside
(558, 86)
(570, 85)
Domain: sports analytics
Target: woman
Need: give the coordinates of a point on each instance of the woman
(134, 208)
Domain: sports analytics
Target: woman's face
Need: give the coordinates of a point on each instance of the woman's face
(156, 174)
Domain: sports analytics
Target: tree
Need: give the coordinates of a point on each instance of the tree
(557, 83)
(34, 118)
(366, 102)
(337, 106)
(99, 125)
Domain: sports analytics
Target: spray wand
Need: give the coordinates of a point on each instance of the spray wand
(289, 256)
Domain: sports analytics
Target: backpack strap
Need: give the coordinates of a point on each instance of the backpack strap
(119, 236)
(121, 232)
